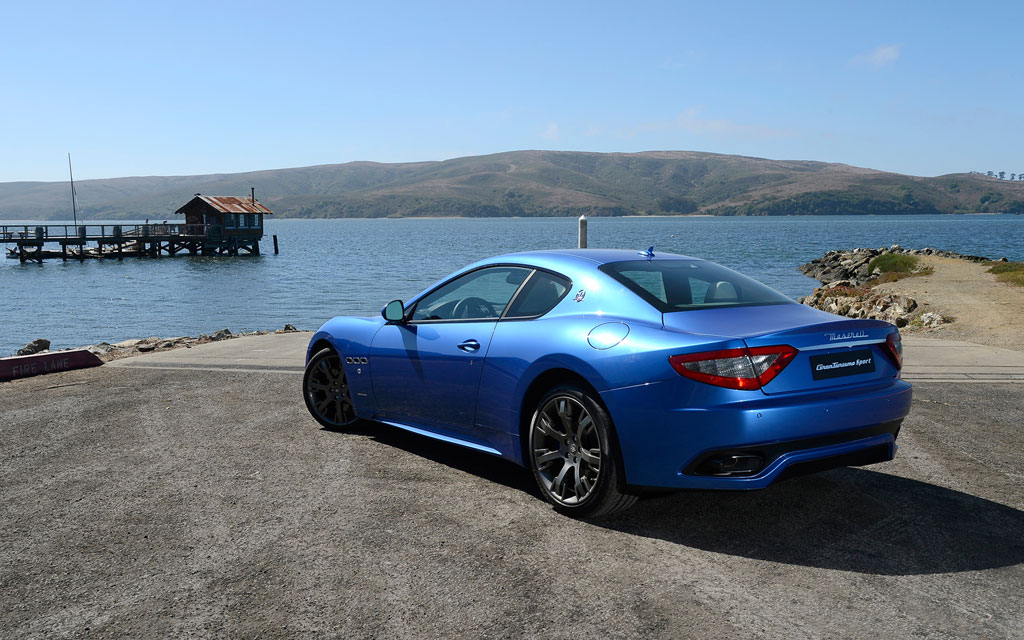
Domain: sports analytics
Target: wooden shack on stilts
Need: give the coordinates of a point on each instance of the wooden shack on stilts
(231, 224)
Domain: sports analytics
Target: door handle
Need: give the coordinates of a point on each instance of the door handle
(470, 346)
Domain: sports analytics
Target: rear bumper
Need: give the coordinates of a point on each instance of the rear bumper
(666, 446)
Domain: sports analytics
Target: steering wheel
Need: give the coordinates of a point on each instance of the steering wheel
(473, 307)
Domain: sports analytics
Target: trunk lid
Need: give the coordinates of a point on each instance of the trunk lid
(833, 351)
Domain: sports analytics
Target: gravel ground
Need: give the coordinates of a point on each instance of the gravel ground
(169, 503)
(985, 310)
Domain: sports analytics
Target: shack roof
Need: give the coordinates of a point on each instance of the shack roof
(230, 204)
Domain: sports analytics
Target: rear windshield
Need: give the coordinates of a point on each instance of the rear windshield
(680, 285)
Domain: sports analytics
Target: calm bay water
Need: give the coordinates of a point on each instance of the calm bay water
(353, 267)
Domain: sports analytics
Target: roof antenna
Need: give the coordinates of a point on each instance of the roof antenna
(647, 254)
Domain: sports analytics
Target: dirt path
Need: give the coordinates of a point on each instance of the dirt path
(986, 311)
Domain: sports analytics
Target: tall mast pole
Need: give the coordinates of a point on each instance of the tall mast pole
(74, 208)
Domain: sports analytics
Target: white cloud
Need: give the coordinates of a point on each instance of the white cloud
(551, 132)
(882, 56)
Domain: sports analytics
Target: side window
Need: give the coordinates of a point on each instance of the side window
(479, 295)
(540, 294)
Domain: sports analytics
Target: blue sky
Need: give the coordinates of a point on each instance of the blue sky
(145, 88)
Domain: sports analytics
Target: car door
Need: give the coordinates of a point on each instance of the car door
(426, 370)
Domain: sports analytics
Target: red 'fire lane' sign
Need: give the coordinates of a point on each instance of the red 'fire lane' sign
(25, 366)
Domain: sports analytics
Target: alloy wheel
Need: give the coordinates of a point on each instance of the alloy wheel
(327, 393)
(566, 447)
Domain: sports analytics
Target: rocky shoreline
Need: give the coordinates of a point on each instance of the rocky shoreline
(852, 265)
(107, 352)
(848, 289)
(848, 286)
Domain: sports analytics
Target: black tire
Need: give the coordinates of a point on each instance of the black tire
(326, 392)
(574, 457)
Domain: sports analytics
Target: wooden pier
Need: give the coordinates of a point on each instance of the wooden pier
(123, 241)
(214, 226)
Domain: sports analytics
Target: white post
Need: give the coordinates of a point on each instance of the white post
(583, 232)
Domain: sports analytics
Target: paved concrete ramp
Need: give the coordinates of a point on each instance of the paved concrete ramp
(934, 360)
(925, 359)
(270, 353)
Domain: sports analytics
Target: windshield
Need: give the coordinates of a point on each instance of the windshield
(681, 285)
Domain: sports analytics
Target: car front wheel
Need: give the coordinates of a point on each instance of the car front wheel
(573, 455)
(326, 391)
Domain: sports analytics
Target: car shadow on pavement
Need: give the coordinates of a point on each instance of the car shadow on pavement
(486, 466)
(849, 519)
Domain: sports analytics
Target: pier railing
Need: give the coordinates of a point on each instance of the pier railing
(101, 233)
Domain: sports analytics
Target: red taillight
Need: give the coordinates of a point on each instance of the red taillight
(727, 368)
(894, 349)
(770, 361)
(735, 368)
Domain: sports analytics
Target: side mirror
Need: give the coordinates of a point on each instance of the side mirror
(394, 311)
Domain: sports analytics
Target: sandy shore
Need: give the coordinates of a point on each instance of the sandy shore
(985, 311)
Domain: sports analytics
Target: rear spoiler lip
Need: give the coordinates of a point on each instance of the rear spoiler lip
(870, 331)
(808, 321)
(834, 345)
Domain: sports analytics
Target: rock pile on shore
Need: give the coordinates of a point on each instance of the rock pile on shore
(862, 302)
(846, 277)
(38, 345)
(107, 351)
(126, 348)
(852, 265)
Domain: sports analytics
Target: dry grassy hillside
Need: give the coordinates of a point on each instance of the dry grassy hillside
(534, 183)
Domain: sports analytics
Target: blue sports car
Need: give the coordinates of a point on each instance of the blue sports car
(607, 372)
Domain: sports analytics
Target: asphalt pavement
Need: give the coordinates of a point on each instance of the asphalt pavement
(188, 493)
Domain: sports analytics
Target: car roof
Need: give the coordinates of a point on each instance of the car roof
(587, 258)
(568, 262)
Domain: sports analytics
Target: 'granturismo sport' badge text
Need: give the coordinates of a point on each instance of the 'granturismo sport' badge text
(846, 335)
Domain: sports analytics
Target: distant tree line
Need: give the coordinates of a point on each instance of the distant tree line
(1002, 175)
(829, 203)
(677, 204)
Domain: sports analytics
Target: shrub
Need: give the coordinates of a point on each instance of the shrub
(893, 263)
(1010, 272)
(846, 292)
(1013, 277)
(893, 276)
(1005, 267)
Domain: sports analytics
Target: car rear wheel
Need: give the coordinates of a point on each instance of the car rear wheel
(326, 391)
(573, 455)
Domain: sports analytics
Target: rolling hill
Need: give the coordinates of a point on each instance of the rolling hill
(536, 183)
